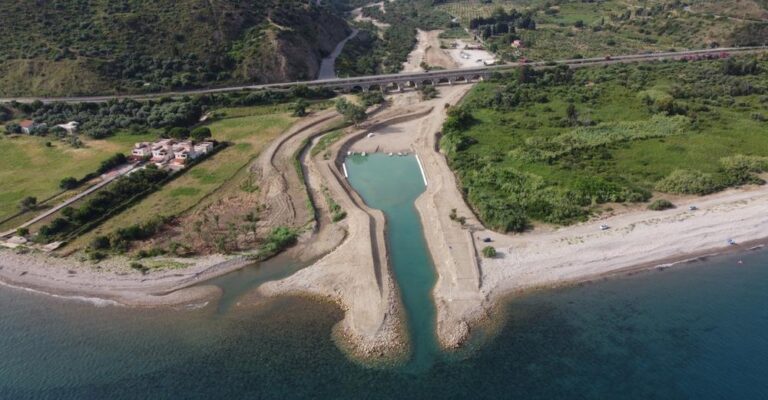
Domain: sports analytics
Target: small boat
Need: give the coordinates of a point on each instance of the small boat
(363, 154)
(731, 242)
(390, 154)
(349, 153)
(400, 154)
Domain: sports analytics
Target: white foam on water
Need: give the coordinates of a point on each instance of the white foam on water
(96, 301)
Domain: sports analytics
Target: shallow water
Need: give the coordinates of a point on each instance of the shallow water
(392, 184)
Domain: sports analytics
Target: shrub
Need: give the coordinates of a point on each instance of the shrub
(741, 169)
(22, 232)
(112, 162)
(428, 92)
(140, 267)
(69, 183)
(489, 252)
(100, 243)
(684, 181)
(28, 203)
(660, 205)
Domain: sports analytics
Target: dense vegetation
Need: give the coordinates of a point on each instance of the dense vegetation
(77, 47)
(573, 28)
(553, 145)
(100, 120)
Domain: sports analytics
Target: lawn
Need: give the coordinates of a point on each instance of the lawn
(522, 157)
(30, 168)
(247, 130)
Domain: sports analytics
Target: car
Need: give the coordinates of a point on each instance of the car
(487, 240)
(693, 208)
(604, 227)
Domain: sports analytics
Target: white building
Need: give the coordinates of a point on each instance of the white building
(70, 127)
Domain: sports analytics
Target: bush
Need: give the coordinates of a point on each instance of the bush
(100, 243)
(28, 203)
(140, 267)
(660, 205)
(684, 181)
(489, 252)
(69, 183)
(22, 232)
(428, 92)
(741, 169)
(12, 128)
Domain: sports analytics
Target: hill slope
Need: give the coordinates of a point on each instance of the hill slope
(69, 47)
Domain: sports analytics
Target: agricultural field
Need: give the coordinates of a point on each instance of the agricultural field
(559, 145)
(247, 130)
(29, 167)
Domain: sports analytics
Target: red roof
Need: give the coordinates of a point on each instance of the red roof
(27, 123)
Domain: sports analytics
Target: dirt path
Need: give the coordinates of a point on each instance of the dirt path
(428, 51)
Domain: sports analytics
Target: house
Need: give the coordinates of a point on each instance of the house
(142, 150)
(28, 126)
(70, 127)
(162, 152)
(203, 147)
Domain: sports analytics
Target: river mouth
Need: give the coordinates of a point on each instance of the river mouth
(392, 184)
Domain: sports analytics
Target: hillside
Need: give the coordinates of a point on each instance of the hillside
(71, 47)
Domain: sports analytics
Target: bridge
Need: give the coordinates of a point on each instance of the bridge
(399, 82)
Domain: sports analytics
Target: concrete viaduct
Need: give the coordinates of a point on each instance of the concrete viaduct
(403, 81)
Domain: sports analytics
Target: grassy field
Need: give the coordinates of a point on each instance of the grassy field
(30, 168)
(562, 145)
(248, 130)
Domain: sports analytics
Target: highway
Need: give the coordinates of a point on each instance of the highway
(416, 77)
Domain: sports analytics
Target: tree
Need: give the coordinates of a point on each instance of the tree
(201, 133)
(179, 133)
(12, 128)
(572, 114)
(300, 108)
(351, 112)
(428, 92)
(28, 203)
(489, 252)
(68, 183)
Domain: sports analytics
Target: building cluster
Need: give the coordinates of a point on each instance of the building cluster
(170, 153)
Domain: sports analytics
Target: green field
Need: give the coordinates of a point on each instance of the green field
(30, 168)
(522, 157)
(248, 131)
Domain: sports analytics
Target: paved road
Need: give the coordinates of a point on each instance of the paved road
(375, 79)
(106, 179)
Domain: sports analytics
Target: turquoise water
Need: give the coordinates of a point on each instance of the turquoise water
(691, 332)
(392, 184)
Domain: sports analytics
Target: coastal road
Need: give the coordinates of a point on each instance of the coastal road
(416, 76)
